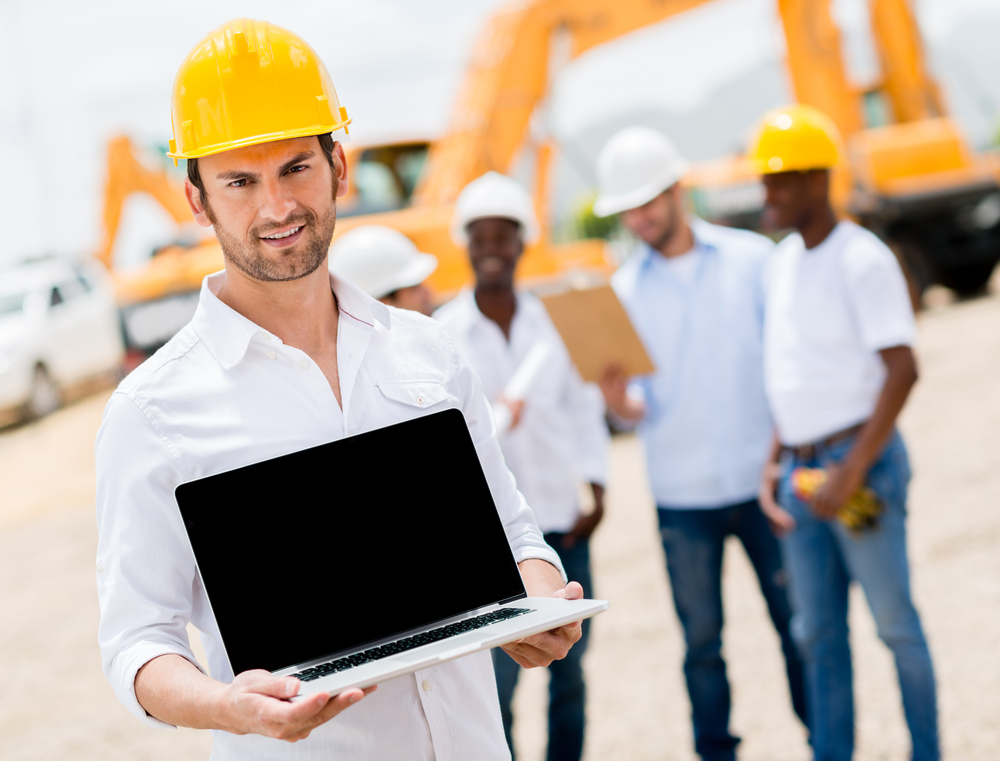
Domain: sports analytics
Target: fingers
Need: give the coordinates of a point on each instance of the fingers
(781, 522)
(260, 705)
(572, 591)
(540, 650)
(262, 683)
(329, 708)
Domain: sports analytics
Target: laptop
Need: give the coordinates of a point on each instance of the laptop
(363, 559)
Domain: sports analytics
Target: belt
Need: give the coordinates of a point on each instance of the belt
(810, 450)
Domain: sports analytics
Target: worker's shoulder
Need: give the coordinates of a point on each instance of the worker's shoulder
(454, 312)
(732, 240)
(176, 356)
(860, 250)
(412, 331)
(623, 279)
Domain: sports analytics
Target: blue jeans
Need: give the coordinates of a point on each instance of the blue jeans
(823, 557)
(567, 695)
(693, 541)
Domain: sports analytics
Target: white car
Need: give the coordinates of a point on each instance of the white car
(59, 332)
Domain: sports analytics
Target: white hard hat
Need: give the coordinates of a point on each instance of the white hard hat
(633, 168)
(379, 260)
(494, 195)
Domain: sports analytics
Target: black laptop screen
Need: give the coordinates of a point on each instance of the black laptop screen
(343, 544)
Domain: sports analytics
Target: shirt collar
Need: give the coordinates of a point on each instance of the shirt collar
(227, 333)
(704, 240)
(473, 316)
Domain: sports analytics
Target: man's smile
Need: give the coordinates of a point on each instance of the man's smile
(283, 238)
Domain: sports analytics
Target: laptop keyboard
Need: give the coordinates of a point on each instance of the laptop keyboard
(399, 646)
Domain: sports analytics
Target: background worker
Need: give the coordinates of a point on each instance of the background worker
(693, 292)
(560, 436)
(386, 265)
(838, 365)
(280, 356)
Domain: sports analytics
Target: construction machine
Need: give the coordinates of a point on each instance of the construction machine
(911, 176)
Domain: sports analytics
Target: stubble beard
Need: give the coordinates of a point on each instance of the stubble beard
(298, 262)
(669, 231)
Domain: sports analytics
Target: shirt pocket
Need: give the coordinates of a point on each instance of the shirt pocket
(414, 393)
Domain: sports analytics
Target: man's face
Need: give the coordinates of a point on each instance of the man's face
(793, 198)
(273, 206)
(657, 221)
(495, 246)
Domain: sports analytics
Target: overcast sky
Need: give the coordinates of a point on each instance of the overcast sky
(72, 74)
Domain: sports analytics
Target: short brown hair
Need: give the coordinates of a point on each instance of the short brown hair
(326, 142)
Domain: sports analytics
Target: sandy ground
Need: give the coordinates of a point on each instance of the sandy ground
(56, 705)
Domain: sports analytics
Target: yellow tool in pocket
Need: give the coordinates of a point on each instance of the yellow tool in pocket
(862, 509)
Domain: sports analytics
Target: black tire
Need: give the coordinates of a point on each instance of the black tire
(44, 398)
(969, 280)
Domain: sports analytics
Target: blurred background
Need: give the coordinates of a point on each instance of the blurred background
(440, 91)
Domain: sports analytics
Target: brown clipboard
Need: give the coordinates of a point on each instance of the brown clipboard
(597, 331)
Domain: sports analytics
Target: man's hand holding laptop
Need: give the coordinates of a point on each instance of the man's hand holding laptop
(541, 579)
(256, 702)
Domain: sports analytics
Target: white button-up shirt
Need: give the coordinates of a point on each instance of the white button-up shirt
(224, 393)
(561, 437)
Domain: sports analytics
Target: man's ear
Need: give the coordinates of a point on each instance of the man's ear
(819, 187)
(340, 169)
(194, 200)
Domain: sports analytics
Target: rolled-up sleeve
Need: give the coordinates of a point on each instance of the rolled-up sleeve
(145, 570)
(525, 538)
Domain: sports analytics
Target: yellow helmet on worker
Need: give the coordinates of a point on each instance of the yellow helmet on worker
(250, 82)
(795, 138)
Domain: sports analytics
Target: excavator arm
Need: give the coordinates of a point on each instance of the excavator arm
(509, 75)
(127, 175)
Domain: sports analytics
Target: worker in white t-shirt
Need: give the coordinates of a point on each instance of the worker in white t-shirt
(555, 436)
(386, 265)
(838, 365)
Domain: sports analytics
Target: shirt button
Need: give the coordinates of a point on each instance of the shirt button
(303, 364)
(426, 685)
(271, 354)
(100, 568)
(420, 401)
(266, 336)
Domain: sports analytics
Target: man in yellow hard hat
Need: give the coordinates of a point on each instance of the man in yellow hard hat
(281, 356)
(838, 365)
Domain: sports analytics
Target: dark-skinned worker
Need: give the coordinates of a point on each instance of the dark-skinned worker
(386, 265)
(839, 364)
(558, 437)
(281, 356)
(694, 293)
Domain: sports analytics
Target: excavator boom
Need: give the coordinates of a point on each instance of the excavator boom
(509, 75)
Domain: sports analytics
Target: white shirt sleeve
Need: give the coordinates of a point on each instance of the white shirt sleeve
(519, 521)
(146, 571)
(879, 296)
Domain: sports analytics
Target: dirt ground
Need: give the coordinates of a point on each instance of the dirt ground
(56, 705)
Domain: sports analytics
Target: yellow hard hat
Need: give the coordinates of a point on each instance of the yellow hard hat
(795, 138)
(250, 82)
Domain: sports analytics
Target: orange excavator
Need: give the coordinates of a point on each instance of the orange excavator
(912, 178)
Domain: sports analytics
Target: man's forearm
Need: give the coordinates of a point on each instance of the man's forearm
(540, 577)
(170, 688)
(900, 379)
